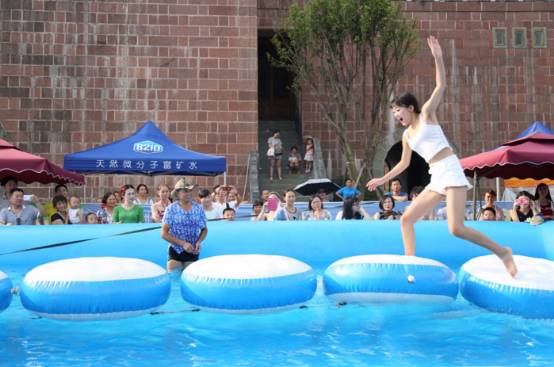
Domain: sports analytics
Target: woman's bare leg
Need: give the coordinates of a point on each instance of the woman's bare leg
(271, 165)
(455, 205)
(422, 204)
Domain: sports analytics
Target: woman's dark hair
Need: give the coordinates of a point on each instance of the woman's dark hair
(106, 197)
(542, 184)
(204, 193)
(524, 193)
(142, 185)
(406, 100)
(88, 215)
(57, 187)
(312, 199)
(257, 203)
(125, 188)
(383, 200)
(491, 193)
(59, 199)
(7, 179)
(348, 210)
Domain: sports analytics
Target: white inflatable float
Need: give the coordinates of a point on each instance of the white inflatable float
(5, 291)
(383, 278)
(248, 283)
(92, 288)
(485, 282)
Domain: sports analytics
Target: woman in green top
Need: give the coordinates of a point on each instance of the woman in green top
(128, 212)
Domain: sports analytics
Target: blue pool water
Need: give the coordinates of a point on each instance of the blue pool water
(321, 334)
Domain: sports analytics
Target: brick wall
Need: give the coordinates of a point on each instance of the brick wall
(77, 74)
(492, 94)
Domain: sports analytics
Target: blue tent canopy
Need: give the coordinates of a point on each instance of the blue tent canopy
(147, 152)
(536, 127)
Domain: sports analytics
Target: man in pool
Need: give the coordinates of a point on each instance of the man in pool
(184, 227)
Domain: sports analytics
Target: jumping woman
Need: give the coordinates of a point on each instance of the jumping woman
(425, 136)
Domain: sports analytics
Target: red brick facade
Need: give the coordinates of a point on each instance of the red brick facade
(76, 74)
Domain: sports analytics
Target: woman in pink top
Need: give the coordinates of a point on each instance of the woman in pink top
(424, 135)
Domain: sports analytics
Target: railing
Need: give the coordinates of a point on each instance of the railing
(252, 177)
(319, 169)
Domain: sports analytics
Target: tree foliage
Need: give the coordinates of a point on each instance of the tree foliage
(349, 54)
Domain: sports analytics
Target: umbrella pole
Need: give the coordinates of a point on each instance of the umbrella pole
(475, 183)
(498, 187)
(224, 178)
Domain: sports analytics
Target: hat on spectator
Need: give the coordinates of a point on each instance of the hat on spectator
(182, 184)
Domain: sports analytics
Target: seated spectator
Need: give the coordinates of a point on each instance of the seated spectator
(543, 201)
(265, 195)
(348, 191)
(351, 209)
(74, 211)
(288, 211)
(416, 190)
(128, 211)
(488, 214)
(386, 204)
(91, 218)
(233, 197)
(322, 195)
(523, 207)
(257, 208)
(158, 208)
(142, 196)
(212, 212)
(315, 210)
(105, 213)
(61, 216)
(17, 213)
(229, 214)
(8, 184)
(490, 202)
(270, 207)
(294, 160)
(396, 191)
(49, 209)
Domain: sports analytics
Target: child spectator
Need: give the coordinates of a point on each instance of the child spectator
(75, 212)
(523, 208)
(229, 214)
(257, 208)
(488, 214)
(309, 156)
(294, 160)
(91, 218)
(348, 191)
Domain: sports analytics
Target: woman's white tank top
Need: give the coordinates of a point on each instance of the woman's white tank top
(428, 141)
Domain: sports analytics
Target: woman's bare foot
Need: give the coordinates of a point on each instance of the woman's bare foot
(508, 261)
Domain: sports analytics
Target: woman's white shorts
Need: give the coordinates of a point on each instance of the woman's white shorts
(447, 172)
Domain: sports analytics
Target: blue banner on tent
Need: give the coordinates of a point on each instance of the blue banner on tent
(148, 152)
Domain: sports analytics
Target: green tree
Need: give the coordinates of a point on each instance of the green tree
(350, 54)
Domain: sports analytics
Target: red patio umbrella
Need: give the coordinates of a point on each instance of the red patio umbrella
(28, 168)
(529, 157)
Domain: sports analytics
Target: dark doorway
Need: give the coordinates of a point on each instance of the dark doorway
(417, 173)
(276, 99)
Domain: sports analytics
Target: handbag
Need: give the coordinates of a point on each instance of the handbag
(270, 152)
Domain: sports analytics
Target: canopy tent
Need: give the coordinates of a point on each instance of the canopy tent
(28, 168)
(529, 157)
(147, 152)
(536, 127)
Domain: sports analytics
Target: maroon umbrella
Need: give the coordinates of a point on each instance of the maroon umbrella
(529, 157)
(26, 167)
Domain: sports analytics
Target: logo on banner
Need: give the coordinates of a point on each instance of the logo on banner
(148, 147)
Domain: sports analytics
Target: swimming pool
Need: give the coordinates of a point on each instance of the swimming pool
(320, 334)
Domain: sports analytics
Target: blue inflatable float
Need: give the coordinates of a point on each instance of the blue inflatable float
(485, 282)
(95, 288)
(248, 283)
(5, 291)
(382, 278)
